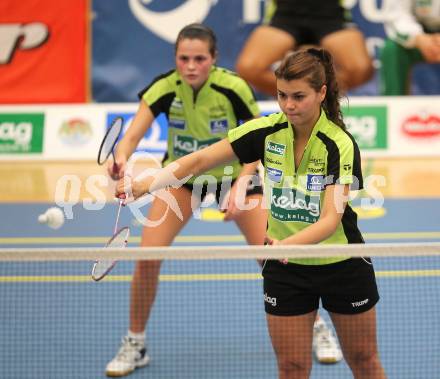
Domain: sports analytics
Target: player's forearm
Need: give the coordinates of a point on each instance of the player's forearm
(192, 165)
(126, 147)
(313, 234)
(142, 121)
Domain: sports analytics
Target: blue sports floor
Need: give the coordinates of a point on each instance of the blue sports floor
(56, 323)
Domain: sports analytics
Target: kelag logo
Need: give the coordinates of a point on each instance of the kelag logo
(275, 148)
(368, 125)
(154, 141)
(184, 145)
(287, 204)
(21, 133)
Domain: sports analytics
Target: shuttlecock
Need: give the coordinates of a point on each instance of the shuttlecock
(53, 217)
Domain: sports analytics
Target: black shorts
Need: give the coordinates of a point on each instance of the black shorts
(307, 26)
(221, 189)
(347, 287)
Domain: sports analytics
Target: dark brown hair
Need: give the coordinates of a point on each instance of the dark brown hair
(201, 32)
(315, 66)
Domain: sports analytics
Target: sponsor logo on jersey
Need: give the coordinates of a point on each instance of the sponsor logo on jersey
(347, 167)
(218, 126)
(288, 204)
(274, 174)
(183, 145)
(275, 148)
(273, 161)
(177, 124)
(315, 182)
(317, 161)
(313, 170)
(177, 103)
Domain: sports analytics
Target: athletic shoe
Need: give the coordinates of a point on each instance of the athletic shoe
(131, 355)
(325, 344)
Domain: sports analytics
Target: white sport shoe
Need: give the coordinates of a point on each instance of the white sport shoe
(131, 355)
(325, 344)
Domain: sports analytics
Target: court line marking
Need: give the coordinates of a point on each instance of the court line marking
(192, 277)
(195, 238)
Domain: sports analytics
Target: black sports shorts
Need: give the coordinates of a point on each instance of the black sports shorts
(347, 287)
(306, 25)
(254, 187)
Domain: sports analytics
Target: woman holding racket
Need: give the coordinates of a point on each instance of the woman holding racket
(202, 103)
(317, 164)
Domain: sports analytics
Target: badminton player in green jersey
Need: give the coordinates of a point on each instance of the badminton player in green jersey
(311, 163)
(202, 102)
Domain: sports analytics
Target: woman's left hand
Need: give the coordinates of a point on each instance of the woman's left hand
(272, 242)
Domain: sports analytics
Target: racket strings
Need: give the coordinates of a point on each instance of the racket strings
(110, 139)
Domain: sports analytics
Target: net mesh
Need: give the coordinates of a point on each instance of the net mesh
(208, 320)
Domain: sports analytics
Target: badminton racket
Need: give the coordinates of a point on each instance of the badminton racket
(119, 238)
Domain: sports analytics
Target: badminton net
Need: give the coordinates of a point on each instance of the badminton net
(208, 319)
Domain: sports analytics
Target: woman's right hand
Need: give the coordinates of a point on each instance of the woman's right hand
(132, 189)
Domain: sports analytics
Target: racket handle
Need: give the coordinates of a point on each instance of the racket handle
(115, 167)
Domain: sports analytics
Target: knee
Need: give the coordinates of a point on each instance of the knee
(247, 69)
(294, 368)
(363, 361)
(358, 72)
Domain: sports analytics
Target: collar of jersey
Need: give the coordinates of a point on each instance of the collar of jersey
(320, 124)
(205, 85)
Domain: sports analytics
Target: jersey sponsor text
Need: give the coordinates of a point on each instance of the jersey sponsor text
(183, 145)
(275, 148)
(287, 204)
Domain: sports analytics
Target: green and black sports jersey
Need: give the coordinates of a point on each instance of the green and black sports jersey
(198, 121)
(295, 197)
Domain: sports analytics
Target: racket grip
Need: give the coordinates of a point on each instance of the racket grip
(115, 167)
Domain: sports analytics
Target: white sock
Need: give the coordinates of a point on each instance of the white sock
(138, 337)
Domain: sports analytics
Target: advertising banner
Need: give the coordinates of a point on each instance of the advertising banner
(133, 41)
(43, 51)
(415, 127)
(21, 133)
(368, 125)
(73, 131)
(382, 127)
